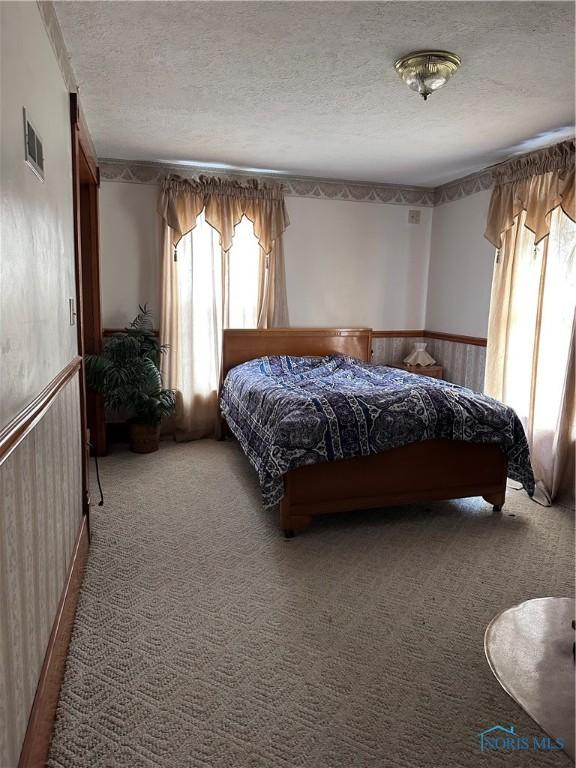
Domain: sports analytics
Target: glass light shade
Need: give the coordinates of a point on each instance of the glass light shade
(426, 71)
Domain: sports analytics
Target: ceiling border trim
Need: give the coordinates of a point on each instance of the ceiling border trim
(54, 34)
(464, 187)
(141, 172)
(52, 26)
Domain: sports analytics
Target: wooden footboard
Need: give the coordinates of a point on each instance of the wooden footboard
(419, 472)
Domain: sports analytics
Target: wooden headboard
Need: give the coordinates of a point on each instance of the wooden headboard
(241, 345)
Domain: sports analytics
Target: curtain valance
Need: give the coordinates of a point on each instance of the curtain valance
(225, 202)
(536, 183)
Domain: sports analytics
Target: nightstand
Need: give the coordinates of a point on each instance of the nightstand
(435, 371)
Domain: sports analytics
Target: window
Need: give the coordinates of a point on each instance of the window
(540, 322)
(531, 344)
(243, 277)
(214, 292)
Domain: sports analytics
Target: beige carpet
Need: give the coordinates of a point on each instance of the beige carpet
(203, 638)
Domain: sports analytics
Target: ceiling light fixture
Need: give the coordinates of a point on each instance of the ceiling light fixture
(427, 71)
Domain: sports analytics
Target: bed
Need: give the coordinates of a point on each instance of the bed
(328, 432)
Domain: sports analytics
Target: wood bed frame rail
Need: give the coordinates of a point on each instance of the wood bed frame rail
(423, 471)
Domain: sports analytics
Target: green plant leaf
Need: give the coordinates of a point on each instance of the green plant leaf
(127, 372)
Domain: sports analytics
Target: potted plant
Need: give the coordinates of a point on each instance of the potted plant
(127, 374)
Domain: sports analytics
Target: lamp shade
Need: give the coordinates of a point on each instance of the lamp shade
(419, 356)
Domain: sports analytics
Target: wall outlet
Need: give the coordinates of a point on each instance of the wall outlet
(413, 216)
(72, 310)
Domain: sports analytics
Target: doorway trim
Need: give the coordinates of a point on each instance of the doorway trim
(86, 182)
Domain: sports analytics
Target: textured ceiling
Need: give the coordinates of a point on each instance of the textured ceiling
(309, 87)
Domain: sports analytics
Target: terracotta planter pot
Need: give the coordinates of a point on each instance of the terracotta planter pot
(144, 438)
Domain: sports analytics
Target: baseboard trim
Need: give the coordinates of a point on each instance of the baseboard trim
(38, 736)
(23, 423)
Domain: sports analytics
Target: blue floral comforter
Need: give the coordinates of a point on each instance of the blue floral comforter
(291, 411)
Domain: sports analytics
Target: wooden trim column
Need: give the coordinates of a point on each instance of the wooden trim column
(86, 180)
(75, 130)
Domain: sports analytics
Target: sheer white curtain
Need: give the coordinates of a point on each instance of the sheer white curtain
(216, 290)
(530, 356)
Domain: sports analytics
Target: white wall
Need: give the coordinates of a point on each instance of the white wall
(461, 264)
(129, 251)
(40, 481)
(356, 264)
(346, 263)
(36, 227)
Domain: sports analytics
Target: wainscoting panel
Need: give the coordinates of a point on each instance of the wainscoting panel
(392, 349)
(41, 493)
(463, 363)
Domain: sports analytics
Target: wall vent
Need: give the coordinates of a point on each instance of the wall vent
(33, 150)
